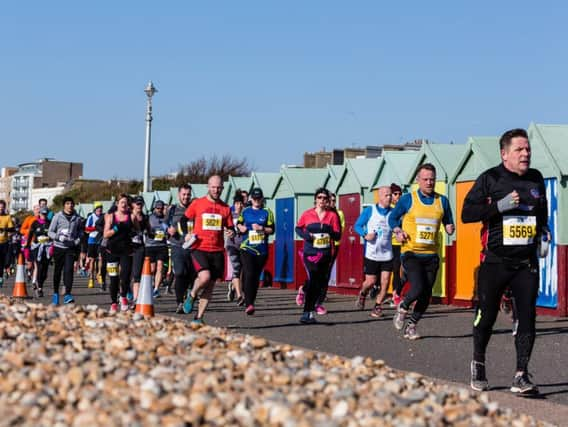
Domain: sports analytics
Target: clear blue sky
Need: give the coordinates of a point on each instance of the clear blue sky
(270, 80)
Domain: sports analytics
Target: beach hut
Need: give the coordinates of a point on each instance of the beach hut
(352, 188)
(392, 166)
(481, 153)
(549, 153)
(164, 196)
(293, 194)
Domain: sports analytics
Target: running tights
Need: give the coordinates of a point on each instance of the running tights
(252, 268)
(493, 279)
(421, 272)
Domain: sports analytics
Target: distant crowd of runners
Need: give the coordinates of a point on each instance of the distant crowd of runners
(189, 241)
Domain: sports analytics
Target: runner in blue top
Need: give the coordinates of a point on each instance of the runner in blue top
(256, 223)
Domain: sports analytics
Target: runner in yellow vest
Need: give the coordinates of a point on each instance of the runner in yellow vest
(416, 220)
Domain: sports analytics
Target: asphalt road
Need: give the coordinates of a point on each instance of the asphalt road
(444, 352)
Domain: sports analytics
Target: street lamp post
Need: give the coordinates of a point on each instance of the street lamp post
(150, 91)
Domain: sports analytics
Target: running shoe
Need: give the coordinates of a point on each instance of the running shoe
(308, 318)
(68, 299)
(523, 386)
(55, 299)
(300, 297)
(399, 317)
(249, 310)
(91, 283)
(169, 290)
(113, 308)
(129, 296)
(179, 309)
(39, 292)
(123, 304)
(103, 286)
(198, 321)
(396, 299)
(321, 310)
(410, 332)
(376, 312)
(156, 293)
(374, 291)
(188, 304)
(360, 303)
(478, 379)
(99, 279)
(241, 301)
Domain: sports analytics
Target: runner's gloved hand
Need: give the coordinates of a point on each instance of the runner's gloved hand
(509, 202)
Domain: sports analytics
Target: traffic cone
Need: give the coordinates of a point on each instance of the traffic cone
(145, 302)
(20, 290)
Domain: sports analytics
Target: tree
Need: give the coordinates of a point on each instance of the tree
(198, 171)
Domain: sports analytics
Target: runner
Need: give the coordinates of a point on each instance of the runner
(156, 245)
(255, 223)
(24, 231)
(38, 248)
(422, 212)
(232, 245)
(184, 272)
(319, 227)
(93, 243)
(43, 204)
(140, 229)
(118, 230)
(510, 200)
(65, 230)
(397, 282)
(210, 217)
(320, 309)
(6, 229)
(373, 226)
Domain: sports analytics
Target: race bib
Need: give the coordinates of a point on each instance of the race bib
(93, 234)
(212, 222)
(159, 235)
(112, 269)
(256, 237)
(42, 239)
(321, 241)
(426, 234)
(519, 230)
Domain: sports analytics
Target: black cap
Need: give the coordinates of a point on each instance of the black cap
(159, 204)
(138, 200)
(256, 193)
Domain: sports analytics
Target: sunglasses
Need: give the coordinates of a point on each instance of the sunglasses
(322, 197)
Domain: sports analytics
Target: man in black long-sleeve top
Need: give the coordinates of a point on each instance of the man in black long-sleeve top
(510, 200)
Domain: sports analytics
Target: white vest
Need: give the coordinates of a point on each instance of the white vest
(380, 248)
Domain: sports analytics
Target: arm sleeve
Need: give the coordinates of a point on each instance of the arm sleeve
(402, 207)
(52, 232)
(543, 208)
(475, 206)
(448, 217)
(361, 223)
(300, 228)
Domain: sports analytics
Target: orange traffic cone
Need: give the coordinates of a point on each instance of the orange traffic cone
(20, 283)
(145, 303)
